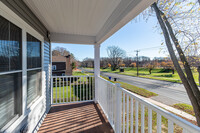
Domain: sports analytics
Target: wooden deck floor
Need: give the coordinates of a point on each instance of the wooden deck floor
(75, 118)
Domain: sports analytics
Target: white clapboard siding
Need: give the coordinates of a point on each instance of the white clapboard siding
(47, 69)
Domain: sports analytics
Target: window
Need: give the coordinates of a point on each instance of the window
(54, 67)
(10, 72)
(34, 68)
(33, 52)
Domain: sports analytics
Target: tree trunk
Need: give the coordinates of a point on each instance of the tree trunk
(198, 69)
(186, 65)
(150, 71)
(172, 70)
(185, 82)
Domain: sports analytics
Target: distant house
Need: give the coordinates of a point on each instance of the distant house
(61, 66)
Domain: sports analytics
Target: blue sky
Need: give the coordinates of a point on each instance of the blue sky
(140, 35)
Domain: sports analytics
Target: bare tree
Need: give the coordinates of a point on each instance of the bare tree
(115, 54)
(87, 62)
(60, 51)
(127, 61)
(104, 62)
(187, 77)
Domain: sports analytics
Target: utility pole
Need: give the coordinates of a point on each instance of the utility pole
(137, 62)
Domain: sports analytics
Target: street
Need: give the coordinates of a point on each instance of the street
(168, 92)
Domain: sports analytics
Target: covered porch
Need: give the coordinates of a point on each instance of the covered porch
(82, 103)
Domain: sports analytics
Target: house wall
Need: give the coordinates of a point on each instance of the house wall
(59, 65)
(18, 13)
(60, 68)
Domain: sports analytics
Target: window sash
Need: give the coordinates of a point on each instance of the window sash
(34, 52)
(10, 97)
(10, 46)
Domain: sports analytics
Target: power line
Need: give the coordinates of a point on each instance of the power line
(147, 48)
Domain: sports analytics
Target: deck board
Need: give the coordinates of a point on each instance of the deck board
(75, 118)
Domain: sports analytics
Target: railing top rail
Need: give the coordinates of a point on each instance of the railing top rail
(178, 120)
(72, 76)
(107, 81)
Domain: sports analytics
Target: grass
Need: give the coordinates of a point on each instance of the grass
(78, 73)
(184, 107)
(158, 74)
(137, 90)
(134, 89)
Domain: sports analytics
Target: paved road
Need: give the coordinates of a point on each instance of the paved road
(168, 93)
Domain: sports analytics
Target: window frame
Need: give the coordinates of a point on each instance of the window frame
(15, 19)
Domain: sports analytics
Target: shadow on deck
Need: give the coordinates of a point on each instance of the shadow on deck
(78, 117)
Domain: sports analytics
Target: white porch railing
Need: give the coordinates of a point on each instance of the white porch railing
(68, 89)
(128, 112)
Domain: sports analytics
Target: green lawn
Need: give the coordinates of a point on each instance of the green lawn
(77, 73)
(158, 74)
(134, 89)
(184, 107)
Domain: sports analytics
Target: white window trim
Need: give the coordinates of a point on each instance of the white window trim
(38, 68)
(10, 72)
(26, 28)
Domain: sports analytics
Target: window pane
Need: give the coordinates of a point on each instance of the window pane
(33, 85)
(10, 46)
(15, 47)
(33, 52)
(4, 44)
(10, 97)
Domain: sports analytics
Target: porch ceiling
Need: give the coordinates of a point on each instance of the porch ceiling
(85, 21)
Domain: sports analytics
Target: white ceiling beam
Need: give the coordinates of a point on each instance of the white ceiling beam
(75, 39)
(125, 12)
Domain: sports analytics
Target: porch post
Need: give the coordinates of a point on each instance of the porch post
(96, 68)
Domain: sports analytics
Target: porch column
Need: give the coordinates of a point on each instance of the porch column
(96, 68)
